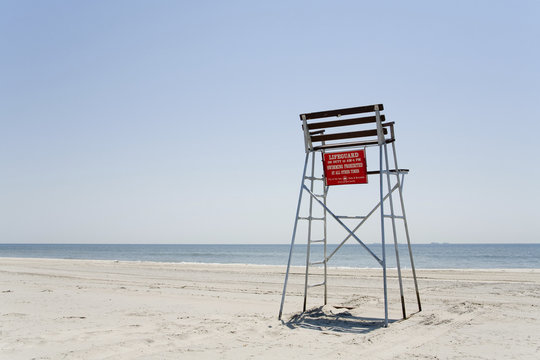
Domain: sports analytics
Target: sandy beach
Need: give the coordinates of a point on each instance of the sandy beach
(78, 309)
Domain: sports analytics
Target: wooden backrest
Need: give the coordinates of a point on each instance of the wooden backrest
(328, 129)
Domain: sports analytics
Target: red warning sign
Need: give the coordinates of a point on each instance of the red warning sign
(342, 168)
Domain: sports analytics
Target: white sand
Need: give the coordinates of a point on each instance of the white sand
(70, 309)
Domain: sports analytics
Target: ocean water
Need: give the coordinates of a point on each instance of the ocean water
(426, 256)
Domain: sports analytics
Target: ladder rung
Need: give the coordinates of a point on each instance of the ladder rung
(395, 216)
(313, 178)
(310, 218)
(351, 217)
(317, 241)
(314, 285)
(317, 263)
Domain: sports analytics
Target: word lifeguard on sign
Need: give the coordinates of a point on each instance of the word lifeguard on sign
(343, 168)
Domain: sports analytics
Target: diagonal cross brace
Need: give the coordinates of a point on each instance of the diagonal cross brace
(362, 222)
(351, 233)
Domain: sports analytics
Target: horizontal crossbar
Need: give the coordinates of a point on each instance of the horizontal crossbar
(395, 216)
(349, 144)
(346, 135)
(313, 178)
(346, 122)
(392, 172)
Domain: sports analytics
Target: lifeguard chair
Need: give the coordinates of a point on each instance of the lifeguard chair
(329, 134)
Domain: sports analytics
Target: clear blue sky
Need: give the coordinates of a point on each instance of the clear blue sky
(177, 121)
